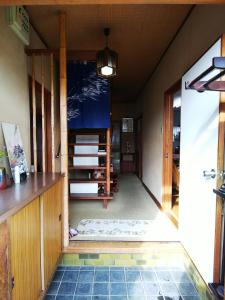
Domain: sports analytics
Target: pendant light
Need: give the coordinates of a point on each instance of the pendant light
(106, 59)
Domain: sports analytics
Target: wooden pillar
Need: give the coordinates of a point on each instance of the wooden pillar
(63, 122)
(220, 167)
(34, 114)
(108, 150)
(43, 115)
(52, 111)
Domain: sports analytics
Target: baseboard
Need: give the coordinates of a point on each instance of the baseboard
(168, 214)
(152, 196)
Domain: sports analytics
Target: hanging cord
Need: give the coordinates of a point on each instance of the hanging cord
(106, 33)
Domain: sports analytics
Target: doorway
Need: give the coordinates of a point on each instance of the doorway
(171, 151)
(138, 130)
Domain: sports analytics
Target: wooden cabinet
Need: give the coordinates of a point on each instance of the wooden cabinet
(35, 245)
(4, 263)
(51, 210)
(24, 229)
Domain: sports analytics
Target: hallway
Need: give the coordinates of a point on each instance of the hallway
(132, 202)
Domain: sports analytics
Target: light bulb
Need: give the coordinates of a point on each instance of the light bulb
(106, 71)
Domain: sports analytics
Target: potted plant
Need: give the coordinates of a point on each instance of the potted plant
(3, 179)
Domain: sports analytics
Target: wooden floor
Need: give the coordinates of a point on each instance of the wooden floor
(120, 247)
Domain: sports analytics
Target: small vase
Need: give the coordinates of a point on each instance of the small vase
(3, 179)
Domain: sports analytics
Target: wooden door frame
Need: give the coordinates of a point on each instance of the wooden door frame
(138, 146)
(168, 149)
(220, 167)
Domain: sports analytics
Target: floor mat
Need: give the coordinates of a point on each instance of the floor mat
(114, 229)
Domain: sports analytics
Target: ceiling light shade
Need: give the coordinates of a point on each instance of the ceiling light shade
(106, 60)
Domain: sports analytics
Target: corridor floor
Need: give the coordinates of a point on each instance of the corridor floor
(131, 202)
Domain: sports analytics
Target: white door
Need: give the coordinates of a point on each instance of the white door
(199, 143)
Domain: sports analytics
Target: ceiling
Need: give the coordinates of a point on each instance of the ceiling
(139, 33)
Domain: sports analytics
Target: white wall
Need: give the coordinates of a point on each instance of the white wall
(203, 27)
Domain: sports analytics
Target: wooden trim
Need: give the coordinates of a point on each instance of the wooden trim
(168, 146)
(220, 167)
(169, 215)
(121, 247)
(52, 111)
(48, 119)
(105, 2)
(43, 116)
(167, 151)
(48, 135)
(167, 170)
(63, 123)
(34, 114)
(152, 196)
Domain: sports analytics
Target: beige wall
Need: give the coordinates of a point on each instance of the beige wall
(14, 93)
(14, 97)
(203, 27)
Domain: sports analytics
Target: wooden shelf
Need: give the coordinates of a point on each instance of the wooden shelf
(89, 196)
(84, 132)
(88, 181)
(86, 168)
(87, 155)
(87, 144)
(102, 144)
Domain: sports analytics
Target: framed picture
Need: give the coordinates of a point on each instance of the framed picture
(127, 124)
(14, 147)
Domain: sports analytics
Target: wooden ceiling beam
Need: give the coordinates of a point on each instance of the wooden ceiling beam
(82, 55)
(105, 2)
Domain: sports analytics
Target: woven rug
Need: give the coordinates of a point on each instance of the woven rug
(115, 228)
(124, 230)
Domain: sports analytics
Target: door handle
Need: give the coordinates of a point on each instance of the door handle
(212, 174)
(209, 174)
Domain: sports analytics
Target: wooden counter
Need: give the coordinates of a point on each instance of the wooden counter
(19, 195)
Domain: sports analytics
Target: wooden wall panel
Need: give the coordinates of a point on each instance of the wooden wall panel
(25, 252)
(52, 245)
